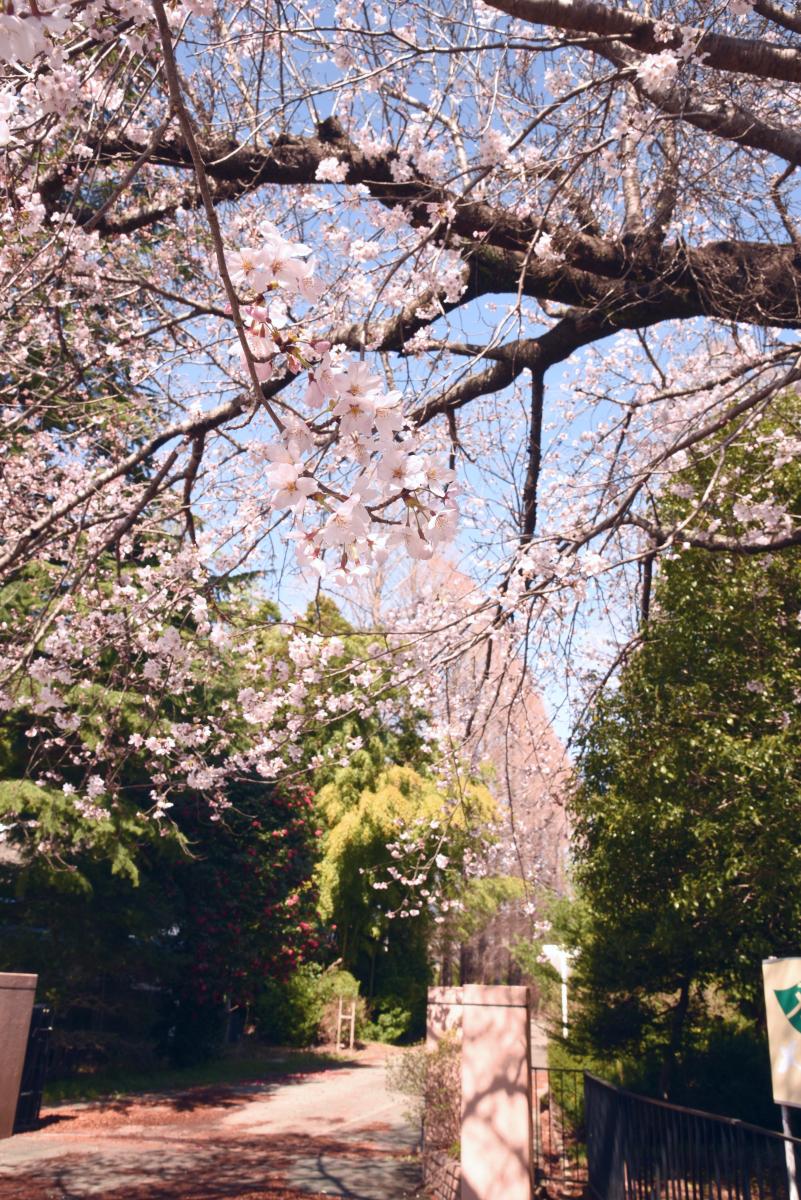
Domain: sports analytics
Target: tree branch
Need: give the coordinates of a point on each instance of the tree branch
(721, 51)
(528, 515)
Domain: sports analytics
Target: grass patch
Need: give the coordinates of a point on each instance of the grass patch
(254, 1063)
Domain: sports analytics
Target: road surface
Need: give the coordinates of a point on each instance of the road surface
(334, 1132)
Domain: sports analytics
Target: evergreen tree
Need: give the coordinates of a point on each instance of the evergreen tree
(687, 838)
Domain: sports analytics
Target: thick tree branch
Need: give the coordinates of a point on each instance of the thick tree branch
(703, 540)
(575, 329)
(629, 35)
(630, 180)
(723, 52)
(481, 383)
(665, 203)
(732, 280)
(778, 15)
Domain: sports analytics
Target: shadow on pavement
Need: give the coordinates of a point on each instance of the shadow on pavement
(197, 1168)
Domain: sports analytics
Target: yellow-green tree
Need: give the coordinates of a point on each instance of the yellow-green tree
(396, 851)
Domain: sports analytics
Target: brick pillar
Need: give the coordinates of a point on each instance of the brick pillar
(16, 1005)
(496, 1093)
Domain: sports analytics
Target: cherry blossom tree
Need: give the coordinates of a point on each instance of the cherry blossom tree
(339, 285)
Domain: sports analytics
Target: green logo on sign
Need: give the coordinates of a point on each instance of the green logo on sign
(790, 1001)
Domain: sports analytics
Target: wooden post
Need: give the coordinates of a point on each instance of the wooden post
(349, 1017)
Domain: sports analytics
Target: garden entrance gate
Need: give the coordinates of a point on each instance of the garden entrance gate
(539, 1132)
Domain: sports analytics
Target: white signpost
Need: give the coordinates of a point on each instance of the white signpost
(782, 980)
(559, 958)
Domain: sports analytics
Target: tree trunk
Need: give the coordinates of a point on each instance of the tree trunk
(674, 1043)
(446, 967)
(371, 985)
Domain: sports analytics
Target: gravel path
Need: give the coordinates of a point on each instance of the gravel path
(336, 1132)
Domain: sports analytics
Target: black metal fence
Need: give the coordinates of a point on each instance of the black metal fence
(643, 1149)
(34, 1070)
(560, 1163)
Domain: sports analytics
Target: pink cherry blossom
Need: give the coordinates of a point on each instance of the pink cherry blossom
(292, 489)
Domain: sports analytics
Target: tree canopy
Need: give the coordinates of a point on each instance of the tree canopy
(686, 814)
(315, 279)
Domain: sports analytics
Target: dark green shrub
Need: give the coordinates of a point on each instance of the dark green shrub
(727, 1070)
(190, 1032)
(389, 1022)
(303, 1009)
(288, 1012)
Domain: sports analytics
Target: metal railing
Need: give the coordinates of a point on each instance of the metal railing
(34, 1070)
(558, 1106)
(643, 1149)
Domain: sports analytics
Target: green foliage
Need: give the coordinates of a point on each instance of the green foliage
(563, 918)
(302, 1009)
(340, 988)
(198, 908)
(686, 816)
(383, 740)
(481, 899)
(726, 1069)
(686, 823)
(566, 1084)
(106, 721)
(204, 908)
(389, 1022)
(192, 1031)
(527, 955)
(202, 931)
(242, 905)
(114, 838)
(336, 984)
(288, 1012)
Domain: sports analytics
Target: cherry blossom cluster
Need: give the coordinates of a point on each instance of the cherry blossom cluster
(25, 35)
(30, 34)
(301, 683)
(381, 490)
(433, 857)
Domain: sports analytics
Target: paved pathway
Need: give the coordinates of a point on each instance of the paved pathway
(336, 1132)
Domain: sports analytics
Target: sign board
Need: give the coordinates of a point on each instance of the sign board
(782, 979)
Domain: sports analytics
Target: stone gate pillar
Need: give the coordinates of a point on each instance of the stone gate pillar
(496, 1141)
(444, 1014)
(16, 1006)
